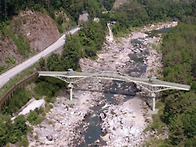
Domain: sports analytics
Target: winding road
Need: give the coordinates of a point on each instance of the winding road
(5, 77)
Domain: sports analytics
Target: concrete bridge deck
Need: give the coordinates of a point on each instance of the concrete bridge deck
(152, 85)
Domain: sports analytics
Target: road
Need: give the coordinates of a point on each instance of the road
(5, 77)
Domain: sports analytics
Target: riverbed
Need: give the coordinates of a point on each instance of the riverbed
(105, 113)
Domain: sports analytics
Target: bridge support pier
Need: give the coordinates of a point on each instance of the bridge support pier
(153, 110)
(152, 84)
(153, 101)
(70, 86)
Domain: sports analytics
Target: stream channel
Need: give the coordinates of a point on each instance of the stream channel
(94, 131)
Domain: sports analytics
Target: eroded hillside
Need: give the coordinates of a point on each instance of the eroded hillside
(27, 34)
(38, 28)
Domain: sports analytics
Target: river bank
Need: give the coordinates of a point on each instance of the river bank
(122, 123)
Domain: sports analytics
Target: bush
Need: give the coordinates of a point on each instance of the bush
(32, 116)
(2, 68)
(189, 123)
(20, 125)
(24, 141)
(20, 98)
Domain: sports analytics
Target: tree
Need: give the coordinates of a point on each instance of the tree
(42, 63)
(32, 116)
(3, 132)
(53, 63)
(179, 64)
(189, 121)
(20, 125)
(71, 53)
(19, 129)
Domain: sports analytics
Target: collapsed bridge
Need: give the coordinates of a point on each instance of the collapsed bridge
(152, 84)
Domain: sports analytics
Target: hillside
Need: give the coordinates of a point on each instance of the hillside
(28, 33)
(38, 28)
(27, 27)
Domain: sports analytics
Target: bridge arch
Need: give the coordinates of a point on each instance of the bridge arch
(152, 84)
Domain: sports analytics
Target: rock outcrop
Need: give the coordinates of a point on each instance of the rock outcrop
(36, 28)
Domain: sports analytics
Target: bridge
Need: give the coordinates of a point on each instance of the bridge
(152, 84)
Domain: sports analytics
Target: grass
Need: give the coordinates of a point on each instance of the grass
(10, 60)
(155, 142)
(154, 46)
(2, 68)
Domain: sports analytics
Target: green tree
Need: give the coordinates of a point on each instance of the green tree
(32, 116)
(71, 53)
(20, 125)
(179, 64)
(189, 121)
(53, 63)
(3, 132)
(19, 129)
(42, 63)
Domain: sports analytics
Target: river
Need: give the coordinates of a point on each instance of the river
(94, 131)
(105, 112)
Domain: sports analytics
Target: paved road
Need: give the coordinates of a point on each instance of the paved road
(5, 77)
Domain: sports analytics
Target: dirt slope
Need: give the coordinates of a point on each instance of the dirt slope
(8, 49)
(37, 28)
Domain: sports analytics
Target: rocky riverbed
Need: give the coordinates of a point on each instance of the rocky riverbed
(123, 122)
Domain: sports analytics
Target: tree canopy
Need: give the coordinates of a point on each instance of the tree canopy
(179, 48)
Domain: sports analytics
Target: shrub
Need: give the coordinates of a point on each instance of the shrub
(32, 116)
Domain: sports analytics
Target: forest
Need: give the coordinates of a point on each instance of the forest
(178, 48)
(179, 56)
(73, 8)
(142, 12)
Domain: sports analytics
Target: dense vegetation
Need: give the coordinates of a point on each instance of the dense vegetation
(179, 56)
(85, 44)
(20, 97)
(55, 8)
(142, 12)
(73, 8)
(13, 132)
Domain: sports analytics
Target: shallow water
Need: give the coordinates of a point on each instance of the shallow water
(136, 41)
(94, 132)
(159, 31)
